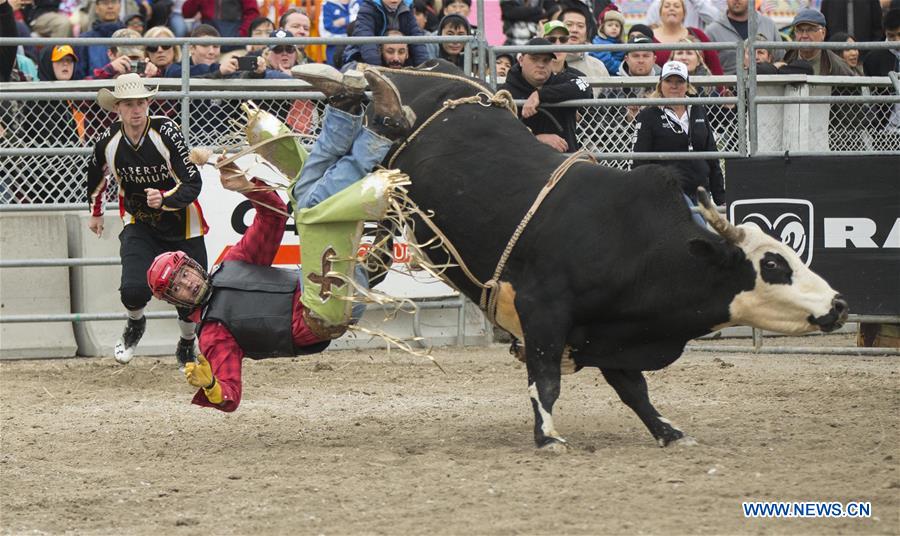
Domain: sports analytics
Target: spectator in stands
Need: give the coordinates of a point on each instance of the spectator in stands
(46, 20)
(205, 59)
(520, 20)
(231, 18)
(697, 13)
(557, 33)
(54, 123)
(640, 29)
(395, 55)
(765, 63)
(375, 18)
(531, 79)
(260, 27)
(296, 21)
(576, 22)
(881, 62)
(673, 29)
(611, 27)
(808, 26)
(639, 62)
(96, 56)
(459, 7)
(282, 57)
(334, 16)
(850, 55)
(680, 128)
(162, 55)
(136, 22)
(636, 63)
(693, 60)
(866, 18)
(732, 26)
(125, 59)
(503, 64)
(420, 11)
(454, 25)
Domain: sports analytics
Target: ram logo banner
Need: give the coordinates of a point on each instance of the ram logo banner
(788, 220)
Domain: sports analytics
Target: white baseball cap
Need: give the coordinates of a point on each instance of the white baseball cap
(674, 68)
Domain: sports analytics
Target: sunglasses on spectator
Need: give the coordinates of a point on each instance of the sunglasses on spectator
(561, 39)
(151, 49)
(284, 50)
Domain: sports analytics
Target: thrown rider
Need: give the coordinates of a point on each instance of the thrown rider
(246, 307)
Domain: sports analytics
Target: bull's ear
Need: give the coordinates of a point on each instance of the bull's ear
(714, 252)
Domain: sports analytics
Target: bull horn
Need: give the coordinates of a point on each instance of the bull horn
(718, 222)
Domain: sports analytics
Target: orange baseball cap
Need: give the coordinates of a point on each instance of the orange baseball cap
(61, 51)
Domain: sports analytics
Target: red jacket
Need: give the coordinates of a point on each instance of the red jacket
(210, 12)
(258, 246)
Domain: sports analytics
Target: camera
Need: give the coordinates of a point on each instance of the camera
(138, 66)
(247, 63)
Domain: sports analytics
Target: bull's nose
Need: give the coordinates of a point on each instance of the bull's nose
(840, 307)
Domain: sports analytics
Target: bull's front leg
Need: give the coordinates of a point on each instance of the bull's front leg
(543, 352)
(631, 387)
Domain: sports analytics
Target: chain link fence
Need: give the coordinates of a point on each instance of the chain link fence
(72, 125)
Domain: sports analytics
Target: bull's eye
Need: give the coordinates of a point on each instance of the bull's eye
(775, 269)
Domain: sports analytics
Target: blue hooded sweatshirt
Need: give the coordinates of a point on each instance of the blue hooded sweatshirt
(374, 20)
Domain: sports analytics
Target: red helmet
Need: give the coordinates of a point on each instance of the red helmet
(165, 268)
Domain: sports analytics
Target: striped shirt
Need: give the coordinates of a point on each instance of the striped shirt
(159, 160)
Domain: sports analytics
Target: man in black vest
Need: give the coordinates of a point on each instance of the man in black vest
(246, 307)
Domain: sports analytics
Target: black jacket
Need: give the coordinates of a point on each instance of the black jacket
(657, 134)
(567, 85)
(880, 63)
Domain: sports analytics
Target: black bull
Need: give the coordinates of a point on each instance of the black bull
(603, 274)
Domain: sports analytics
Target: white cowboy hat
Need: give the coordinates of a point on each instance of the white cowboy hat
(128, 86)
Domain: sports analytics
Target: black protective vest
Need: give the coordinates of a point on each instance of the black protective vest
(256, 304)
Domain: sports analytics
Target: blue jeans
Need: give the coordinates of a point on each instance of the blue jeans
(179, 26)
(344, 153)
(696, 216)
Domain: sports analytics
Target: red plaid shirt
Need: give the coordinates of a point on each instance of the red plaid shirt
(258, 246)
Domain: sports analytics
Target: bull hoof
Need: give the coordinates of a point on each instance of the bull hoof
(553, 446)
(684, 441)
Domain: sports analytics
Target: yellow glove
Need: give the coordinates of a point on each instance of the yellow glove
(200, 375)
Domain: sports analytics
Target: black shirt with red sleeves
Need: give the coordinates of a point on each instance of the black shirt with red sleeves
(159, 160)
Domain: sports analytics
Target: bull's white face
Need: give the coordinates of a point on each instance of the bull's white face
(787, 297)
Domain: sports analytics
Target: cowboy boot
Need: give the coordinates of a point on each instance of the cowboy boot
(391, 119)
(343, 91)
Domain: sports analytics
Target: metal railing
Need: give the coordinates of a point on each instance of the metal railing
(191, 94)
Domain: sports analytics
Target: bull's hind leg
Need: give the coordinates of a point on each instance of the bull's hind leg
(631, 387)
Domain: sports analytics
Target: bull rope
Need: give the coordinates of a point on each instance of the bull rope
(489, 294)
(504, 99)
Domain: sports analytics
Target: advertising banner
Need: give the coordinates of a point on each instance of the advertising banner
(840, 214)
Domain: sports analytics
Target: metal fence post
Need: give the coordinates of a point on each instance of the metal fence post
(479, 10)
(185, 89)
(741, 104)
(751, 89)
(467, 58)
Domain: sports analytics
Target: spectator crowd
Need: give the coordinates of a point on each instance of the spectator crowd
(535, 78)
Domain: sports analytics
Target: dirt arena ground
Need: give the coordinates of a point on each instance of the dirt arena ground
(371, 442)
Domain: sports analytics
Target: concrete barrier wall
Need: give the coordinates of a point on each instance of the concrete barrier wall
(34, 290)
(95, 289)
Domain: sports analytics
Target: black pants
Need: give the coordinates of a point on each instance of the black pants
(139, 245)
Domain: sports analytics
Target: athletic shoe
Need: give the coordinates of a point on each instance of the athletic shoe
(134, 330)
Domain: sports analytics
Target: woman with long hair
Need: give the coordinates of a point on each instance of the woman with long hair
(673, 30)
